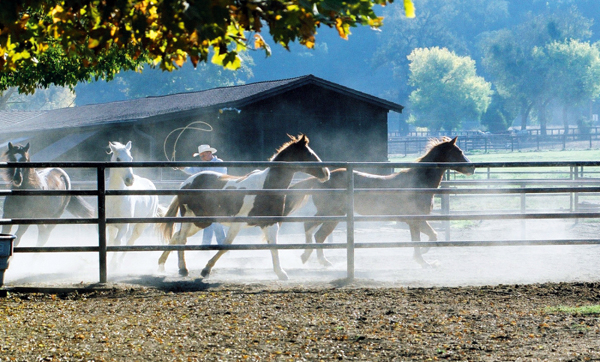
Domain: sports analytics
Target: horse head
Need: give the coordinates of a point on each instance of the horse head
(446, 150)
(17, 153)
(121, 153)
(297, 150)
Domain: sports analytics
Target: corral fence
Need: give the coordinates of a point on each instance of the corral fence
(460, 199)
(530, 140)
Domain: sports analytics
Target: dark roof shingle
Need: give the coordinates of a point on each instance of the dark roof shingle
(130, 110)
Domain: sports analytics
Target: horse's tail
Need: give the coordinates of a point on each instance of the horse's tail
(296, 201)
(166, 229)
(80, 208)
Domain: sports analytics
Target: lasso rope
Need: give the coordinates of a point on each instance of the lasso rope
(190, 126)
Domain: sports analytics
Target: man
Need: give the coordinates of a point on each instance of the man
(206, 154)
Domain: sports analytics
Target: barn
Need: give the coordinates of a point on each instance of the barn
(245, 123)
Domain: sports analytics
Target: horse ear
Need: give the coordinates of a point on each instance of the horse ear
(453, 142)
(10, 146)
(109, 148)
(26, 147)
(128, 146)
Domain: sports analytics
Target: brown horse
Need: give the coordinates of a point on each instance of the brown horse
(217, 204)
(370, 203)
(27, 178)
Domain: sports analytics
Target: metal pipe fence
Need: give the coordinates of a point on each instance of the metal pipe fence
(455, 188)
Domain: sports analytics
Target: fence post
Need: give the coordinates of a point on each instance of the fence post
(446, 211)
(102, 222)
(350, 223)
(523, 210)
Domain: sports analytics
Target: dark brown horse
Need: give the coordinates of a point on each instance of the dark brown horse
(216, 204)
(27, 178)
(370, 203)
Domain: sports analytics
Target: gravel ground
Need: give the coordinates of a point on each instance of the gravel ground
(479, 304)
(194, 321)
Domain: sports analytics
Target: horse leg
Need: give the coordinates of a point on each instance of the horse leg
(320, 237)
(271, 234)
(21, 229)
(430, 232)
(234, 229)
(309, 228)
(121, 232)
(415, 233)
(136, 232)
(44, 234)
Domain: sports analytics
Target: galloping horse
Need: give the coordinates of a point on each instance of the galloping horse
(138, 206)
(372, 203)
(31, 206)
(208, 204)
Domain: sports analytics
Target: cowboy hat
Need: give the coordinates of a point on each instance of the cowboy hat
(204, 148)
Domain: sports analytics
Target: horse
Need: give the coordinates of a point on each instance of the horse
(372, 203)
(217, 204)
(128, 206)
(32, 206)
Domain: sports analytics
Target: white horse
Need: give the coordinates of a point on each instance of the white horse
(122, 206)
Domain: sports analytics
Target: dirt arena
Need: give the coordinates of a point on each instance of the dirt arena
(479, 303)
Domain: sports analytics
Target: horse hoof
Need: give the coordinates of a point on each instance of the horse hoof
(161, 268)
(205, 272)
(183, 272)
(326, 263)
(304, 258)
(282, 275)
(435, 264)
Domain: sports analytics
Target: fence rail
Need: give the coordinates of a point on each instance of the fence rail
(496, 142)
(574, 186)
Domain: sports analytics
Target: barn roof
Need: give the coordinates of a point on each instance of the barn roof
(141, 108)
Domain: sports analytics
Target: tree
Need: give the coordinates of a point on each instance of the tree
(499, 115)
(448, 90)
(50, 98)
(574, 69)
(510, 58)
(96, 38)
(155, 82)
(453, 24)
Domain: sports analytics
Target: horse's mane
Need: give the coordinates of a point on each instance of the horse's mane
(433, 143)
(287, 144)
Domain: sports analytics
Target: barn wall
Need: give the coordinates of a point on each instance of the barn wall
(340, 127)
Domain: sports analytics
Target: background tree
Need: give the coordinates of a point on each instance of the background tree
(164, 32)
(52, 97)
(448, 90)
(452, 24)
(516, 70)
(155, 82)
(574, 69)
(499, 115)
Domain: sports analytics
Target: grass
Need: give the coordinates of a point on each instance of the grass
(529, 172)
(584, 310)
(568, 155)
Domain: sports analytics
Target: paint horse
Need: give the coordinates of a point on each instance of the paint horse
(33, 206)
(372, 203)
(223, 204)
(128, 206)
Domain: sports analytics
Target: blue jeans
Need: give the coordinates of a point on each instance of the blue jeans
(216, 229)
